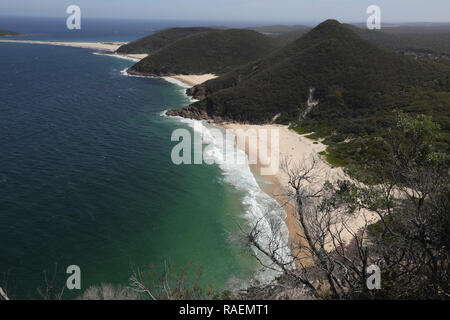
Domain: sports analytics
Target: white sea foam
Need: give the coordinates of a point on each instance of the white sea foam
(259, 206)
(125, 73)
(180, 84)
(177, 82)
(119, 56)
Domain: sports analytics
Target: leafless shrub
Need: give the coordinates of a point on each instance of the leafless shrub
(108, 292)
(338, 241)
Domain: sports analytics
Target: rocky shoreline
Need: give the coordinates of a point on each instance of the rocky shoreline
(189, 112)
(192, 112)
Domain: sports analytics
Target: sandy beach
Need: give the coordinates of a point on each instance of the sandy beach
(110, 48)
(193, 80)
(107, 47)
(298, 150)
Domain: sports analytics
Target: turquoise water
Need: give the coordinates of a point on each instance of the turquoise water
(86, 177)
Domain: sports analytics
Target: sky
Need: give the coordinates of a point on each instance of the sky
(236, 10)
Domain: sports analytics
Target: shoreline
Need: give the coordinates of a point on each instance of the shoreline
(278, 181)
(193, 79)
(110, 48)
(187, 80)
(298, 149)
(106, 48)
(292, 145)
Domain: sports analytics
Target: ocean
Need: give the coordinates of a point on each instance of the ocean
(86, 176)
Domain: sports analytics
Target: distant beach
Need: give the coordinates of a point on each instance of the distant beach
(107, 47)
(110, 49)
(297, 148)
(194, 80)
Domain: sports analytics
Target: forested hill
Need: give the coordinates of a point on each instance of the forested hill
(160, 40)
(4, 33)
(437, 42)
(354, 81)
(425, 39)
(211, 52)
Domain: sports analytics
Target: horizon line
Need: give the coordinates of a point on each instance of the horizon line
(223, 20)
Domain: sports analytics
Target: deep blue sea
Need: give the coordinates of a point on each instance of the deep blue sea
(85, 172)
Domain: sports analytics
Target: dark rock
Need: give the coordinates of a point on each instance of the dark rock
(198, 92)
(189, 112)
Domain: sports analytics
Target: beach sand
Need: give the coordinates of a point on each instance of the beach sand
(193, 80)
(108, 47)
(298, 150)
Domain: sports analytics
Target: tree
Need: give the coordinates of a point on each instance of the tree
(409, 242)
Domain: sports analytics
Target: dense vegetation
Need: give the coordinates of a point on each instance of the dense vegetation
(283, 32)
(434, 39)
(409, 245)
(403, 41)
(212, 52)
(160, 40)
(4, 33)
(293, 35)
(352, 79)
(357, 85)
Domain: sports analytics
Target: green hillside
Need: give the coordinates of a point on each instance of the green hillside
(421, 38)
(213, 52)
(283, 32)
(293, 35)
(357, 86)
(403, 39)
(349, 76)
(160, 40)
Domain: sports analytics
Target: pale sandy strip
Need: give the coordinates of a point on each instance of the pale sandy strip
(88, 45)
(298, 149)
(194, 80)
(101, 46)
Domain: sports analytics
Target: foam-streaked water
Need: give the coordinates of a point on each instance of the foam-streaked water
(86, 176)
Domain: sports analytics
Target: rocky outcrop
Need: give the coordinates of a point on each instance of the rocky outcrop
(193, 112)
(310, 104)
(189, 112)
(198, 92)
(133, 72)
